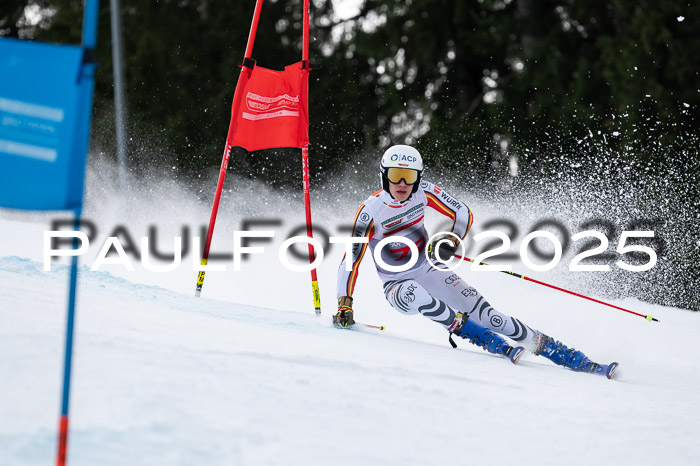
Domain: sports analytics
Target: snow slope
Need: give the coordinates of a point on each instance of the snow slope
(248, 374)
(161, 377)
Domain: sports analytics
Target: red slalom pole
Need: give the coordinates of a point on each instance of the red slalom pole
(212, 218)
(253, 29)
(244, 76)
(650, 318)
(309, 231)
(305, 161)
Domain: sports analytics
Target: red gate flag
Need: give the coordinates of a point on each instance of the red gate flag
(270, 108)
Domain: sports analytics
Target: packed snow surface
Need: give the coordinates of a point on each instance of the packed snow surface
(248, 374)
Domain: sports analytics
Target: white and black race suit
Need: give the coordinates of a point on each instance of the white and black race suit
(431, 290)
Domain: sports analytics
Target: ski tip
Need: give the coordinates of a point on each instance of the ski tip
(610, 371)
(515, 354)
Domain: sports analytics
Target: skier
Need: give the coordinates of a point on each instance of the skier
(428, 287)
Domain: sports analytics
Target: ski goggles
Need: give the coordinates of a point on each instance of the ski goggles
(396, 174)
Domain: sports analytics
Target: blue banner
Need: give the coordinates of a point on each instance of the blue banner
(45, 109)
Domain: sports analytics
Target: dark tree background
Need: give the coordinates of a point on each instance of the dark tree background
(456, 78)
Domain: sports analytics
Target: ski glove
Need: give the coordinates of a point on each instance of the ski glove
(343, 318)
(443, 248)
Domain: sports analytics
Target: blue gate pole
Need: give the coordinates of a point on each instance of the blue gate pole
(90, 23)
(70, 324)
(89, 42)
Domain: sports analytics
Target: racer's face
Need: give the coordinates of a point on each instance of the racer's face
(400, 191)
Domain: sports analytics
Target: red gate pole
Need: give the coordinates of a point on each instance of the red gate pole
(245, 74)
(305, 166)
(309, 230)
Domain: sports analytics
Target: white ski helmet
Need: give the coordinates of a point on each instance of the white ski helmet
(405, 160)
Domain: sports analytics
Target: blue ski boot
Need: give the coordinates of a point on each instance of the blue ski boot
(560, 354)
(481, 336)
(607, 370)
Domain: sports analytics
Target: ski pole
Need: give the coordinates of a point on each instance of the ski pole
(647, 317)
(381, 328)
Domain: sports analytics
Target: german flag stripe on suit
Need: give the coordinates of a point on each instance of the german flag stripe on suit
(435, 203)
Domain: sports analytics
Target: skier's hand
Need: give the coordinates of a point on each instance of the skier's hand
(344, 317)
(443, 248)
